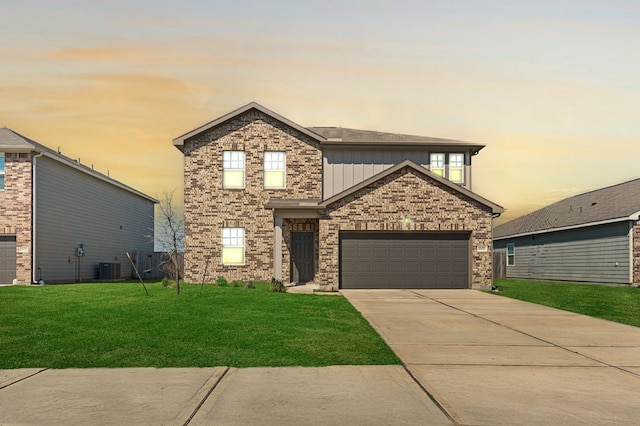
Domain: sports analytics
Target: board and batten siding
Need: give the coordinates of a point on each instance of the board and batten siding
(74, 208)
(344, 168)
(591, 254)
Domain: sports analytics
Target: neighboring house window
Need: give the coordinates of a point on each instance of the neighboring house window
(274, 169)
(511, 254)
(233, 169)
(1, 170)
(456, 168)
(233, 246)
(437, 164)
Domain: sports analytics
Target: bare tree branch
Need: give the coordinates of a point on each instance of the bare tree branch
(170, 235)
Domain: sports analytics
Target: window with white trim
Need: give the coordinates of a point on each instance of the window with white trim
(1, 171)
(436, 164)
(233, 169)
(511, 254)
(233, 246)
(456, 168)
(274, 169)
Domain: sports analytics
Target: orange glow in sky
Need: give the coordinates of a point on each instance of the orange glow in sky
(551, 87)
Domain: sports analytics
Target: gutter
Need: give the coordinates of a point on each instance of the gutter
(33, 217)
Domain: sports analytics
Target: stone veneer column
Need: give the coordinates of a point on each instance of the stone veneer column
(277, 248)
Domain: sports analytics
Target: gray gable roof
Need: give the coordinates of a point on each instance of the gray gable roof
(346, 136)
(180, 140)
(11, 141)
(610, 204)
(331, 135)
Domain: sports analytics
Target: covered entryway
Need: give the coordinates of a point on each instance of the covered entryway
(302, 255)
(7, 258)
(400, 260)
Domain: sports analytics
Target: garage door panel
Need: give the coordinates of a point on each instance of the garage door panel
(7, 259)
(404, 260)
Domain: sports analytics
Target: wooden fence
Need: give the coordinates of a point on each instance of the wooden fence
(499, 264)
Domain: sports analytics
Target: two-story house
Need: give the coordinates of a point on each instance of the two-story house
(62, 221)
(267, 198)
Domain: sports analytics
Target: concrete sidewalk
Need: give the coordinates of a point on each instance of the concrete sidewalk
(496, 361)
(354, 395)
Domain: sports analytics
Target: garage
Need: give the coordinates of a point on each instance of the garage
(399, 260)
(7, 259)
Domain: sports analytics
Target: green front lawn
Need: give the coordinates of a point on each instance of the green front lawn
(116, 325)
(620, 304)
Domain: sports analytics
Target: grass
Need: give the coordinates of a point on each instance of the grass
(619, 304)
(116, 325)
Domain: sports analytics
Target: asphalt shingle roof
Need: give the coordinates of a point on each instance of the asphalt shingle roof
(613, 202)
(12, 140)
(344, 134)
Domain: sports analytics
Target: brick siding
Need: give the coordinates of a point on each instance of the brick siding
(209, 208)
(15, 210)
(384, 204)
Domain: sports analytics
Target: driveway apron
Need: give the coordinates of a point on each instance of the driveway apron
(492, 360)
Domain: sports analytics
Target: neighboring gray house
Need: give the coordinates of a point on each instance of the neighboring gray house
(61, 221)
(591, 237)
(342, 208)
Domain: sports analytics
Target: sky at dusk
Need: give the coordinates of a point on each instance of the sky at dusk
(552, 88)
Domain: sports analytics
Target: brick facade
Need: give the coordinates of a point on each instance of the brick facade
(15, 210)
(404, 192)
(209, 207)
(383, 206)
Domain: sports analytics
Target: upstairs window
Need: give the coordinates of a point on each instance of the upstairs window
(233, 169)
(1, 171)
(437, 164)
(274, 169)
(233, 246)
(456, 168)
(511, 254)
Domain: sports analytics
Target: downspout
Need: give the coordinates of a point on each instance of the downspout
(34, 279)
(631, 253)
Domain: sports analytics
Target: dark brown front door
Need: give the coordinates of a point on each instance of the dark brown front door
(302, 257)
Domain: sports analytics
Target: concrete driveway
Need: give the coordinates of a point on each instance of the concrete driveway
(491, 360)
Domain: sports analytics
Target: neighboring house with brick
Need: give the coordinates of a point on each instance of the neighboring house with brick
(590, 237)
(267, 198)
(61, 221)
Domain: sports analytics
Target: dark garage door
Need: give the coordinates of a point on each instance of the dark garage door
(404, 260)
(7, 259)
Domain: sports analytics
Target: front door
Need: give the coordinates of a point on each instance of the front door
(302, 257)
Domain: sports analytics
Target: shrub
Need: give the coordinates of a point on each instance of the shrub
(277, 286)
(249, 285)
(222, 282)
